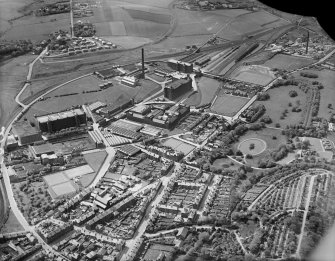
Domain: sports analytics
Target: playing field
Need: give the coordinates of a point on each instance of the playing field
(79, 171)
(63, 189)
(228, 105)
(60, 183)
(56, 178)
(178, 145)
(254, 74)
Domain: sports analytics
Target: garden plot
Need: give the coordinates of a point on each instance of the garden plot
(288, 201)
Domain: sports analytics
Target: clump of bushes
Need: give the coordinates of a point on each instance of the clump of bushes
(293, 93)
(309, 75)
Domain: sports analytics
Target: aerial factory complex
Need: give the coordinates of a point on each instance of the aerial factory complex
(164, 130)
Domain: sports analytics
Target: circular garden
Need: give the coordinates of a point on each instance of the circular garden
(252, 146)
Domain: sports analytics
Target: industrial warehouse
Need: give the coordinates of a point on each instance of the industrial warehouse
(61, 120)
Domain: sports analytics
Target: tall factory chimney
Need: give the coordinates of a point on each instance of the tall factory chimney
(307, 42)
(143, 69)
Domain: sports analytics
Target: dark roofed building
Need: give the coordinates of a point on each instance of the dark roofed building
(178, 88)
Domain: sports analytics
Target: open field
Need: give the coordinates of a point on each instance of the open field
(228, 105)
(12, 224)
(115, 94)
(178, 145)
(225, 163)
(155, 3)
(207, 88)
(287, 62)
(12, 76)
(37, 28)
(253, 74)
(119, 18)
(250, 23)
(95, 159)
(278, 103)
(259, 146)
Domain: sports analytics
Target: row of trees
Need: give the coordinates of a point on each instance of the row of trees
(15, 48)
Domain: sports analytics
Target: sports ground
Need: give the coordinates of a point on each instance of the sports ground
(228, 105)
(254, 74)
(60, 184)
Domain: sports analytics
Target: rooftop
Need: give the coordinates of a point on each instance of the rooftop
(59, 115)
(23, 128)
(176, 84)
(43, 149)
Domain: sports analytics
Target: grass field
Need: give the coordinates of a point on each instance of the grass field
(12, 224)
(37, 28)
(287, 62)
(121, 18)
(253, 74)
(207, 88)
(13, 73)
(250, 23)
(95, 159)
(178, 145)
(278, 103)
(225, 163)
(228, 105)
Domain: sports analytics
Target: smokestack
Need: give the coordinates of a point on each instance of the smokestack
(307, 42)
(143, 73)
